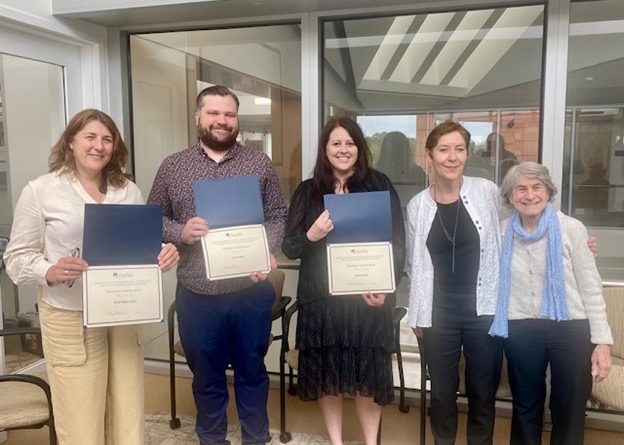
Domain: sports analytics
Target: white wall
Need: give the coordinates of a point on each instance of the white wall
(33, 93)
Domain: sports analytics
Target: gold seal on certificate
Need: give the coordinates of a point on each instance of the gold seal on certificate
(121, 295)
(356, 268)
(232, 252)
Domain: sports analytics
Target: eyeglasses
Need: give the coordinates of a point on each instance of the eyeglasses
(74, 253)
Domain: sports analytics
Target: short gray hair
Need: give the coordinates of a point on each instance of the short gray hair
(530, 170)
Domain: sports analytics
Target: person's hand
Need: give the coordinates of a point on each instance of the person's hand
(601, 362)
(168, 257)
(320, 228)
(418, 331)
(261, 276)
(374, 299)
(193, 230)
(66, 270)
(593, 245)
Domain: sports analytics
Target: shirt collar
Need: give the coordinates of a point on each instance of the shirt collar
(232, 152)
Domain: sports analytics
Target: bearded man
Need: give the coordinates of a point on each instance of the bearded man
(225, 321)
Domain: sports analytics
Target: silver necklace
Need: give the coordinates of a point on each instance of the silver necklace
(449, 237)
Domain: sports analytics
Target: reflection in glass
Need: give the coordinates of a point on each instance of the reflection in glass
(394, 152)
(593, 175)
(258, 63)
(596, 169)
(399, 76)
(594, 180)
(32, 115)
(396, 160)
(481, 67)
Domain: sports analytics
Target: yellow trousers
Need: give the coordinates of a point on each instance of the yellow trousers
(96, 378)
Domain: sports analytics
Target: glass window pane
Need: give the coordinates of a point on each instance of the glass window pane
(261, 64)
(593, 188)
(32, 116)
(401, 75)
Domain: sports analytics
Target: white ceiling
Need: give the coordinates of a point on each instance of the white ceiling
(154, 12)
(451, 58)
(132, 13)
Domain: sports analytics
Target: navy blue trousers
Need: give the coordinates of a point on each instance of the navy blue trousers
(219, 329)
(565, 346)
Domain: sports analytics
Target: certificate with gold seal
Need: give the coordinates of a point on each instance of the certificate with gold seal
(356, 268)
(122, 295)
(232, 252)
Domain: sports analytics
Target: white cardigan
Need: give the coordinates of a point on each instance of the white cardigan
(582, 280)
(47, 225)
(483, 202)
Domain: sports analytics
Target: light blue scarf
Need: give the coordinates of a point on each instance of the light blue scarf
(554, 305)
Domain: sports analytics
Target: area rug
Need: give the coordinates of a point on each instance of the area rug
(157, 432)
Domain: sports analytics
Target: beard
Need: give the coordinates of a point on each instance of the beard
(206, 137)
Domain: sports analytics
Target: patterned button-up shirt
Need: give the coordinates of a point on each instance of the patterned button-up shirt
(172, 190)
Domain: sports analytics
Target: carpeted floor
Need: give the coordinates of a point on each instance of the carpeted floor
(157, 432)
(304, 418)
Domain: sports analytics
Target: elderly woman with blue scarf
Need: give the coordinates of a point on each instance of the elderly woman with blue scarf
(550, 309)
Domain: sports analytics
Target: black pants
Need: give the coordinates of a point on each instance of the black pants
(456, 328)
(565, 346)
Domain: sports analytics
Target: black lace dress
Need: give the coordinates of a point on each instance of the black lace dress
(344, 345)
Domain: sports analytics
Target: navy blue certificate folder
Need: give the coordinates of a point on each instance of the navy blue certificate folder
(120, 235)
(229, 202)
(359, 217)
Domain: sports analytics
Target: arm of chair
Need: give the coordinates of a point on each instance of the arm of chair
(27, 378)
(280, 306)
(287, 317)
(38, 381)
(18, 331)
(398, 314)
